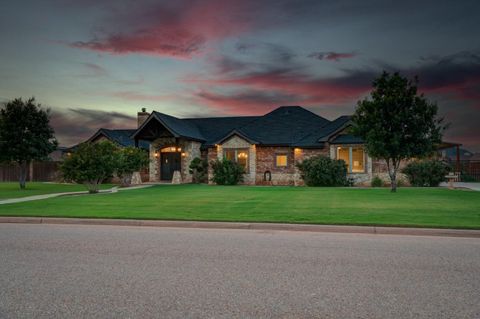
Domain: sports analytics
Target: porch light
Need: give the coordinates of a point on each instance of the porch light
(184, 154)
(242, 155)
(156, 154)
(179, 149)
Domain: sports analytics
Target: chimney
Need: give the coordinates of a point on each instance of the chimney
(142, 116)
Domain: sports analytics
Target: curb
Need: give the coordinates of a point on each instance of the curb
(252, 226)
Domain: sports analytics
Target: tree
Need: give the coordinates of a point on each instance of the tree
(397, 123)
(25, 134)
(199, 169)
(131, 159)
(91, 164)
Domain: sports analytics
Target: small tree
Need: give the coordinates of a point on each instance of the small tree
(130, 160)
(323, 171)
(227, 172)
(25, 134)
(397, 123)
(199, 169)
(91, 164)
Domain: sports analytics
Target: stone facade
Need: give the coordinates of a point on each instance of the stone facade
(189, 150)
(236, 142)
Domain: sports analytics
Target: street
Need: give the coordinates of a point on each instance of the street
(75, 271)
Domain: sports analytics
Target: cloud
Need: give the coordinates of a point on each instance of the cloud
(77, 124)
(178, 30)
(92, 70)
(332, 56)
(137, 96)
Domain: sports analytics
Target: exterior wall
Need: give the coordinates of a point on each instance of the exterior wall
(237, 142)
(379, 168)
(266, 162)
(358, 178)
(190, 150)
(211, 157)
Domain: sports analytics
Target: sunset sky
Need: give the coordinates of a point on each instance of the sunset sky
(96, 63)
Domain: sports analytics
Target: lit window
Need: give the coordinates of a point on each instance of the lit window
(239, 156)
(354, 157)
(281, 160)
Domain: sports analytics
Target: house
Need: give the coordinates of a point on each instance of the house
(267, 146)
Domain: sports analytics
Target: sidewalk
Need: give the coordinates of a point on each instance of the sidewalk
(405, 231)
(472, 186)
(45, 196)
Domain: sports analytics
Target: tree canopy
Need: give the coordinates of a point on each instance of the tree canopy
(397, 123)
(25, 134)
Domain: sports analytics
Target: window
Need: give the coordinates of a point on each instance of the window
(239, 156)
(281, 160)
(354, 157)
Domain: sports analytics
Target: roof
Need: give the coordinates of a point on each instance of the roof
(122, 137)
(286, 125)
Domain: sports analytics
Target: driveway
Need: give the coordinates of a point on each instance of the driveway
(74, 271)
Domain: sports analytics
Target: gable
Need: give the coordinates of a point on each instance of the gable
(235, 141)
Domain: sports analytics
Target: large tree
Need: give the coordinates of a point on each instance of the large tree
(91, 164)
(25, 134)
(397, 123)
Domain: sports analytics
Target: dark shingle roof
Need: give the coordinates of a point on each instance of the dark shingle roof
(283, 126)
(286, 125)
(121, 137)
(347, 139)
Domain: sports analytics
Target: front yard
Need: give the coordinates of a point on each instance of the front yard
(421, 207)
(12, 190)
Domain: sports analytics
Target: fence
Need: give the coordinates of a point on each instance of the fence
(37, 172)
(470, 170)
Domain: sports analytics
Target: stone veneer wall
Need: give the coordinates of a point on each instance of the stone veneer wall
(266, 161)
(380, 169)
(190, 150)
(238, 142)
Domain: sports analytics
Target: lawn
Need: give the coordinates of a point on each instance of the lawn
(422, 207)
(12, 189)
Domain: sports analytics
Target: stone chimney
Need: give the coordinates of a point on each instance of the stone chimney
(142, 116)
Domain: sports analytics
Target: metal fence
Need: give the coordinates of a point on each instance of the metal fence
(47, 171)
(470, 170)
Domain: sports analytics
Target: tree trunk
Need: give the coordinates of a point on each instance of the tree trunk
(23, 174)
(392, 172)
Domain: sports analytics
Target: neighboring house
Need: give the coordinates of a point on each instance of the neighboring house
(268, 146)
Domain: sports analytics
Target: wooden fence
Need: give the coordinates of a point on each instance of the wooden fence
(37, 172)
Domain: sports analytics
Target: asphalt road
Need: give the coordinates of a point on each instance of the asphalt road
(67, 271)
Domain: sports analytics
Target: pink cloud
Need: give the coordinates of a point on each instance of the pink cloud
(179, 32)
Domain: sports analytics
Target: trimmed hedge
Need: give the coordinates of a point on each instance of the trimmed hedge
(323, 171)
(226, 172)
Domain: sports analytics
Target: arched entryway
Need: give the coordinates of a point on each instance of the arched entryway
(170, 161)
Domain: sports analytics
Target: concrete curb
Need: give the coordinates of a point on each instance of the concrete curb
(253, 226)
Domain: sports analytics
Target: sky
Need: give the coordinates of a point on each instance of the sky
(96, 63)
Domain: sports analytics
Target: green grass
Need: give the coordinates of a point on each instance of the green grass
(12, 189)
(421, 207)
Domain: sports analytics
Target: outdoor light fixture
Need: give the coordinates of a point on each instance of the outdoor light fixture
(184, 154)
(179, 149)
(156, 154)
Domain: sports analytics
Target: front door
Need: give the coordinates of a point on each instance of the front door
(169, 162)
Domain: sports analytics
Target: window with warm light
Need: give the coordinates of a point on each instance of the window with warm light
(281, 160)
(354, 157)
(239, 156)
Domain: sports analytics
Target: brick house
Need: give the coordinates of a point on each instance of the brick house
(267, 146)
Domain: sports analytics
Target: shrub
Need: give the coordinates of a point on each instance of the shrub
(426, 173)
(199, 169)
(91, 164)
(323, 171)
(377, 182)
(226, 172)
(130, 160)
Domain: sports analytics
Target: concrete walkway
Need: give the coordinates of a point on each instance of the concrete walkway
(472, 186)
(45, 196)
